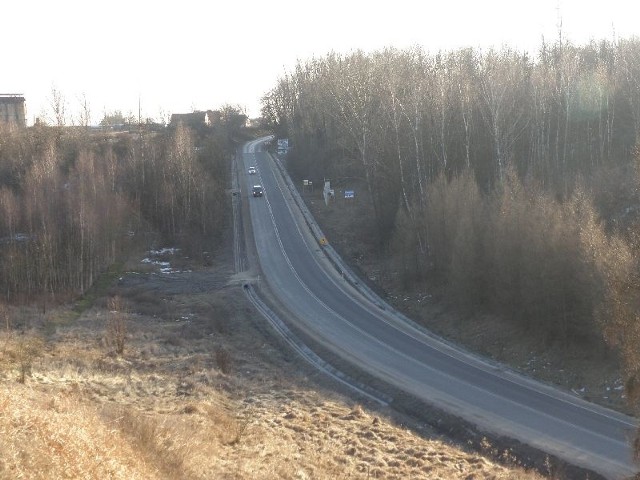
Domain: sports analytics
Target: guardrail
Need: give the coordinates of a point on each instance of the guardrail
(342, 268)
(338, 263)
(277, 323)
(306, 353)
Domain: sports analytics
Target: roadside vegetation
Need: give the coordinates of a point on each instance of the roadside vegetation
(198, 392)
(505, 183)
(73, 200)
(110, 368)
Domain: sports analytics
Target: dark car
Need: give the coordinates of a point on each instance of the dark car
(257, 191)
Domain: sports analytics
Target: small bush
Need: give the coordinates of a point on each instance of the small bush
(116, 334)
(223, 360)
(233, 430)
(22, 354)
(150, 439)
(5, 317)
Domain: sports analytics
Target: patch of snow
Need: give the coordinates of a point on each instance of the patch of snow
(164, 251)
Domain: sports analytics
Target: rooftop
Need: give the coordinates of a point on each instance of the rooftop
(7, 98)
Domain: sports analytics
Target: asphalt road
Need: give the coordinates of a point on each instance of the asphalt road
(334, 314)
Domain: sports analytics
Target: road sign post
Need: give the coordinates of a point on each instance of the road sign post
(349, 196)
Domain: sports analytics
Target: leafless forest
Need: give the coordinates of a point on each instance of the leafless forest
(72, 199)
(510, 179)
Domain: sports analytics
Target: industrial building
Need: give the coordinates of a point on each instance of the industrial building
(12, 110)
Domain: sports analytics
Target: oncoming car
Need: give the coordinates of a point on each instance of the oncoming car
(252, 170)
(257, 191)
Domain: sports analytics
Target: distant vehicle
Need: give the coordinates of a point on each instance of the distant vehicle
(252, 170)
(257, 191)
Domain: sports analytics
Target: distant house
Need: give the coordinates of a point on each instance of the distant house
(12, 110)
(195, 120)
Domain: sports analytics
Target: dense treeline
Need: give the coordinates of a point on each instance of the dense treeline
(519, 252)
(71, 200)
(399, 118)
(482, 167)
(509, 179)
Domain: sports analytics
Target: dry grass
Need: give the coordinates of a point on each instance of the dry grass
(53, 433)
(171, 409)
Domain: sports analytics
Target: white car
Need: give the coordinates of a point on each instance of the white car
(252, 170)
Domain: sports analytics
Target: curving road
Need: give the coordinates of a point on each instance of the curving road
(376, 340)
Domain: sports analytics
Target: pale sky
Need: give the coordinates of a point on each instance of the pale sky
(187, 55)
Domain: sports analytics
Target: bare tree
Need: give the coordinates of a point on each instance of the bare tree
(85, 112)
(116, 330)
(58, 106)
(504, 76)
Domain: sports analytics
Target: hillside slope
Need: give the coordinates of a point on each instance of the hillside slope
(349, 226)
(201, 391)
